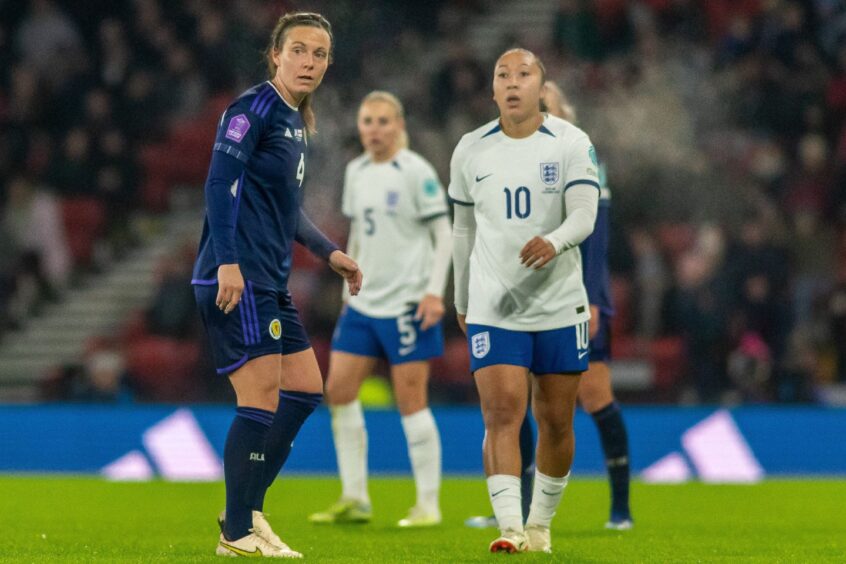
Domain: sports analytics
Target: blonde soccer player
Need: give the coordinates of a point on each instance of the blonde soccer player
(526, 191)
(400, 232)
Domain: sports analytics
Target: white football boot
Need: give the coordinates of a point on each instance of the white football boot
(510, 541)
(253, 546)
(539, 539)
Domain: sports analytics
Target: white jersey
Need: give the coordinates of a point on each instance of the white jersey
(389, 204)
(517, 189)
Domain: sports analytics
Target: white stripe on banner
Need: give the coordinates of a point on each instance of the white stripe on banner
(719, 451)
(131, 466)
(181, 450)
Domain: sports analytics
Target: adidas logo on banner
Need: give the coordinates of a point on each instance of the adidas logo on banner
(718, 452)
(177, 447)
(288, 133)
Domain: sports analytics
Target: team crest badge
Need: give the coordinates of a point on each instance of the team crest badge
(480, 344)
(549, 173)
(275, 329)
(393, 200)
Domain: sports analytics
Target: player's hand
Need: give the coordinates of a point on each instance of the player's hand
(537, 253)
(430, 310)
(348, 269)
(462, 323)
(230, 286)
(593, 324)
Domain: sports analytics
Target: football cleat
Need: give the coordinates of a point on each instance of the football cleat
(344, 511)
(481, 522)
(419, 517)
(539, 539)
(260, 526)
(253, 546)
(510, 541)
(616, 524)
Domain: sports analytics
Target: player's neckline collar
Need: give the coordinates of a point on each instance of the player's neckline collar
(542, 128)
(295, 108)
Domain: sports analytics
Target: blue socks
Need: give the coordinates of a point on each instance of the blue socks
(294, 408)
(615, 445)
(244, 467)
(527, 464)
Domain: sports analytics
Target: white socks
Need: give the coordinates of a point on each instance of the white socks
(546, 495)
(424, 450)
(351, 449)
(504, 491)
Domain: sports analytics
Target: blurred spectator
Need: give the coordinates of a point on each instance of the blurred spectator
(173, 312)
(34, 222)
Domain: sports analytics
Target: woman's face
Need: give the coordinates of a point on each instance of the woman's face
(517, 86)
(379, 127)
(303, 59)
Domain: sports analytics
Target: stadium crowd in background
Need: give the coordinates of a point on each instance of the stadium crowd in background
(722, 124)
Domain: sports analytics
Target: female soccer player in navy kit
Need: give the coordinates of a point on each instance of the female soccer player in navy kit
(400, 233)
(254, 193)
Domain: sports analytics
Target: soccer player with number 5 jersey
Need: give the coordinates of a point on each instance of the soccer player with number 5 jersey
(400, 233)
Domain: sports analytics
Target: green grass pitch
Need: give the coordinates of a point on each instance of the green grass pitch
(47, 519)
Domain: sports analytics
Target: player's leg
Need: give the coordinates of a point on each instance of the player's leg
(244, 454)
(560, 357)
(355, 351)
(499, 360)
(252, 364)
(410, 381)
(346, 373)
(527, 474)
(597, 398)
(409, 349)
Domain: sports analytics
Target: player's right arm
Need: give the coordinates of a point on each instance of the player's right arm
(237, 136)
(463, 232)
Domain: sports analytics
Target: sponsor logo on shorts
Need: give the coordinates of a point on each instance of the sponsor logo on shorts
(480, 344)
(403, 351)
(275, 329)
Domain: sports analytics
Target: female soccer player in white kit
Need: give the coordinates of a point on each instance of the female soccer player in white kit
(400, 230)
(526, 192)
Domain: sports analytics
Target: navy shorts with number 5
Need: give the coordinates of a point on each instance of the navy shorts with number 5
(397, 339)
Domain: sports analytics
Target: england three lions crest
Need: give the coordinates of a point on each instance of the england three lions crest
(549, 173)
(480, 344)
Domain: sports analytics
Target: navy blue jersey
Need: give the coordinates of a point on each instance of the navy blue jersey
(594, 251)
(254, 191)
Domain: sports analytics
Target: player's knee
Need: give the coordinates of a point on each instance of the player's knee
(339, 391)
(503, 415)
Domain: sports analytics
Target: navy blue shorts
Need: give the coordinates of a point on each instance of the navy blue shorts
(600, 345)
(397, 339)
(556, 351)
(265, 321)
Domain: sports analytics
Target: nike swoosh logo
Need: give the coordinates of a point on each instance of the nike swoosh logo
(499, 492)
(548, 493)
(240, 552)
(582, 354)
(407, 350)
(480, 178)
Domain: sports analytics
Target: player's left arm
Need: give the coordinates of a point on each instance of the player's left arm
(432, 208)
(313, 239)
(581, 199)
